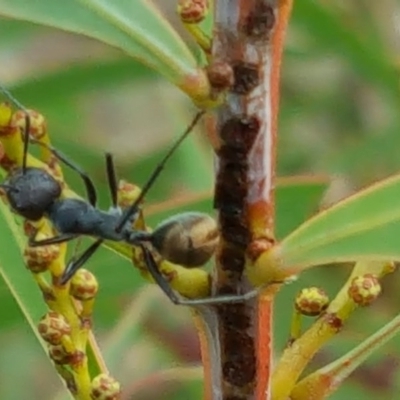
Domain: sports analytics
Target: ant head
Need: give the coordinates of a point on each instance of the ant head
(188, 239)
(31, 192)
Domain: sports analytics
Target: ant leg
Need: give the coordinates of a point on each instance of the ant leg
(158, 277)
(89, 185)
(222, 299)
(133, 207)
(112, 179)
(53, 240)
(75, 264)
(166, 288)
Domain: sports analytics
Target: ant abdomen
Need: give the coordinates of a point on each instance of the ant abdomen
(188, 239)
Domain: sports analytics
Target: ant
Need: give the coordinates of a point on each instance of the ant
(188, 239)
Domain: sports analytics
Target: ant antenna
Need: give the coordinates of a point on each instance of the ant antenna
(10, 97)
(90, 189)
(132, 208)
(27, 127)
(112, 179)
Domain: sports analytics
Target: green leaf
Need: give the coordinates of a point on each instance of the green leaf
(136, 27)
(42, 91)
(296, 199)
(335, 35)
(17, 279)
(21, 284)
(13, 32)
(366, 226)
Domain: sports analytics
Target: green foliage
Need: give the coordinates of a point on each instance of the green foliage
(136, 28)
(340, 114)
(362, 227)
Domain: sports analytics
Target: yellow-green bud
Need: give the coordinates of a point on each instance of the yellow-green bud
(38, 126)
(105, 387)
(52, 327)
(127, 193)
(58, 354)
(311, 301)
(38, 259)
(364, 289)
(192, 11)
(84, 285)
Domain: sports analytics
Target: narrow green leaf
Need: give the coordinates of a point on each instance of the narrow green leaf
(40, 91)
(21, 284)
(136, 27)
(17, 279)
(366, 226)
(296, 199)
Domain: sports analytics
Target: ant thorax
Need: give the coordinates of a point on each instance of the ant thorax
(76, 216)
(129, 233)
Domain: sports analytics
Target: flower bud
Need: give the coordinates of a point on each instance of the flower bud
(5, 118)
(84, 285)
(220, 74)
(364, 289)
(58, 354)
(192, 11)
(38, 259)
(38, 128)
(52, 327)
(127, 193)
(104, 387)
(311, 301)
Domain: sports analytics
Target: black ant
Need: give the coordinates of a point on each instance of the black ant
(188, 239)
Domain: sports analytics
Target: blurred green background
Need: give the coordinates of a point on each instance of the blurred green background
(340, 116)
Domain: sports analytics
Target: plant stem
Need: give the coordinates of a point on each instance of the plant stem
(248, 36)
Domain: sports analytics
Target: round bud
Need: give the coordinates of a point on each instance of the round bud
(220, 75)
(311, 301)
(127, 193)
(5, 118)
(364, 289)
(38, 127)
(58, 354)
(52, 327)
(105, 387)
(84, 285)
(192, 11)
(7, 163)
(188, 239)
(30, 228)
(38, 259)
(390, 267)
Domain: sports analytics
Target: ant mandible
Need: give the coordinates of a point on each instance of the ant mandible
(33, 193)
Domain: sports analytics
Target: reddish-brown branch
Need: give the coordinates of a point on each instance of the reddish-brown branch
(248, 36)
